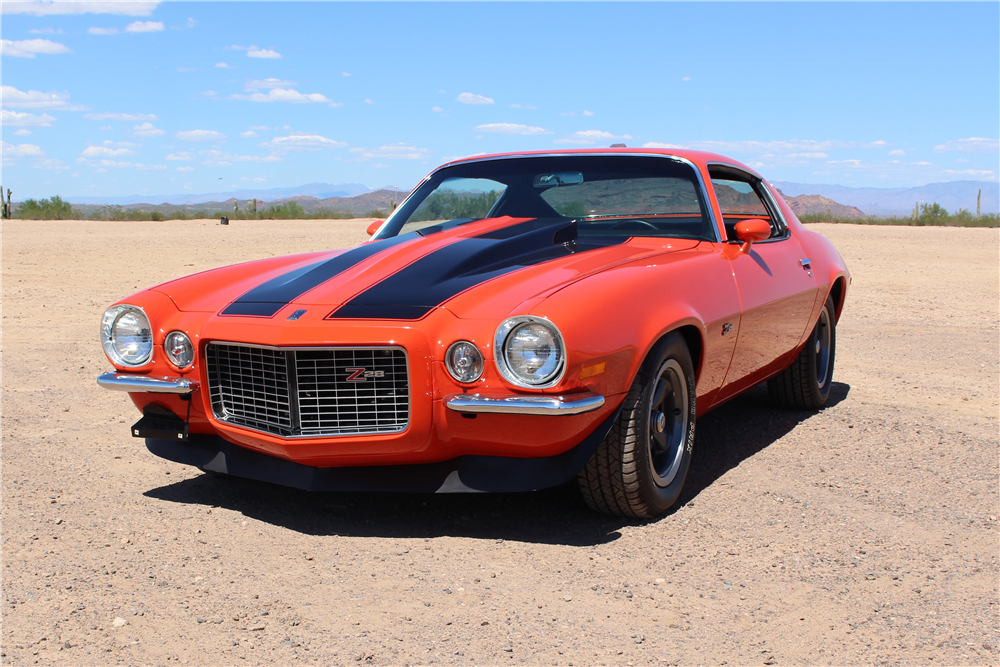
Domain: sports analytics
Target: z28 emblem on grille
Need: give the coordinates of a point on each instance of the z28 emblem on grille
(362, 374)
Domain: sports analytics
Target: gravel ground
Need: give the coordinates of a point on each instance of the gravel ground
(864, 533)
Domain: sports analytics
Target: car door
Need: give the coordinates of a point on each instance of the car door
(776, 285)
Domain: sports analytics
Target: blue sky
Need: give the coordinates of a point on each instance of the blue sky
(121, 98)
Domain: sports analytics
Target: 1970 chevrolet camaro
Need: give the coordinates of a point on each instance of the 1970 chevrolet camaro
(519, 321)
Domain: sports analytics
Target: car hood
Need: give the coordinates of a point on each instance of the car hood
(478, 269)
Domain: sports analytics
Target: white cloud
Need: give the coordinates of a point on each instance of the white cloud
(259, 127)
(257, 179)
(685, 78)
(45, 31)
(109, 149)
(224, 66)
(393, 152)
(588, 113)
(345, 74)
(182, 169)
(591, 137)
(180, 155)
(22, 133)
(200, 135)
(51, 8)
(656, 144)
(249, 134)
(970, 172)
(150, 167)
(368, 101)
(898, 152)
(472, 98)
(781, 146)
(130, 117)
(102, 31)
(970, 145)
(144, 26)
(105, 128)
(51, 164)
(302, 142)
(208, 93)
(146, 130)
(21, 150)
(237, 47)
(33, 99)
(511, 129)
(25, 119)
(522, 106)
(216, 158)
(284, 95)
(263, 53)
(257, 84)
(437, 109)
(452, 158)
(190, 23)
(27, 48)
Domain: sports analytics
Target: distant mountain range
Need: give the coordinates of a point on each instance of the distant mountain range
(899, 201)
(317, 190)
(870, 201)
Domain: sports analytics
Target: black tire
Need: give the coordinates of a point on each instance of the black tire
(805, 384)
(640, 466)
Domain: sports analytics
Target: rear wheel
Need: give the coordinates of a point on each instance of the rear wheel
(639, 469)
(805, 384)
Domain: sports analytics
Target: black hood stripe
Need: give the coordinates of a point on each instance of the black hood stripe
(267, 299)
(414, 290)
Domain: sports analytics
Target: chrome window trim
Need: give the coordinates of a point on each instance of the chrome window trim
(773, 209)
(293, 387)
(521, 156)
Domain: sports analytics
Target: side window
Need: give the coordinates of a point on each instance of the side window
(740, 200)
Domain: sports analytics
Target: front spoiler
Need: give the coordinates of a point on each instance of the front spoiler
(463, 474)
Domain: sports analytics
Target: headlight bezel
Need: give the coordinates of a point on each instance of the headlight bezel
(111, 317)
(503, 334)
(170, 357)
(451, 368)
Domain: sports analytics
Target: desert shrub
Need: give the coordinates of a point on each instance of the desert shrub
(289, 210)
(53, 208)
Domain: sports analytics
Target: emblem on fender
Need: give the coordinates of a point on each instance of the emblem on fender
(362, 374)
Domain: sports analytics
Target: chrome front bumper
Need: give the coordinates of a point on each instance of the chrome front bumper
(146, 384)
(570, 404)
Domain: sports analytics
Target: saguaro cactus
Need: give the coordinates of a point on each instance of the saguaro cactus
(253, 208)
(979, 201)
(10, 211)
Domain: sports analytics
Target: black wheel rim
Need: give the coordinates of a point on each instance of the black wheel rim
(824, 340)
(667, 422)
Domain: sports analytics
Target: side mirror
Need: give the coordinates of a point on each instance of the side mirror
(372, 228)
(752, 230)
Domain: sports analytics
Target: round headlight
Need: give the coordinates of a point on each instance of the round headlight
(464, 361)
(179, 349)
(126, 335)
(530, 352)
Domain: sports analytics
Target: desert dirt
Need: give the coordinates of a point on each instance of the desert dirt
(862, 533)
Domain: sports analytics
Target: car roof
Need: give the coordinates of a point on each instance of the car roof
(700, 158)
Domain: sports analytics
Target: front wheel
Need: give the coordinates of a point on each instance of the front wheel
(640, 467)
(805, 384)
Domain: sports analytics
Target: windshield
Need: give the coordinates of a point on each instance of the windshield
(608, 196)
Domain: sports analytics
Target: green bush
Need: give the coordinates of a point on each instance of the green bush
(290, 210)
(929, 215)
(53, 208)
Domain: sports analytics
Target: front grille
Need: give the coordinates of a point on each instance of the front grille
(309, 392)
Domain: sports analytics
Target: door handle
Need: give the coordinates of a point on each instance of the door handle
(806, 263)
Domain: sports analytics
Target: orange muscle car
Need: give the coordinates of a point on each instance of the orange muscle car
(519, 321)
